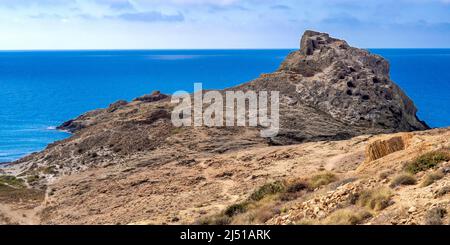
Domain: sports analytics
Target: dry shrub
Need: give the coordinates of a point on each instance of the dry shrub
(321, 180)
(403, 179)
(443, 191)
(375, 199)
(435, 216)
(347, 217)
(431, 178)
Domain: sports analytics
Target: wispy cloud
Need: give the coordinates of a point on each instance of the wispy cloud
(280, 7)
(221, 23)
(153, 16)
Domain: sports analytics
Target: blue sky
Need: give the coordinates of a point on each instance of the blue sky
(184, 24)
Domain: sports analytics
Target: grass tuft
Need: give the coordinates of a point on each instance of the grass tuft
(347, 217)
(435, 216)
(443, 191)
(403, 179)
(431, 178)
(321, 180)
(375, 199)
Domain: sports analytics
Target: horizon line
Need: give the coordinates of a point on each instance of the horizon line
(182, 49)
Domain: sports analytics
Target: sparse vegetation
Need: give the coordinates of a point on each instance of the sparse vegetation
(376, 199)
(431, 178)
(347, 217)
(268, 189)
(259, 207)
(435, 216)
(385, 174)
(321, 180)
(215, 220)
(49, 170)
(12, 181)
(14, 194)
(33, 179)
(236, 209)
(403, 179)
(443, 191)
(294, 190)
(427, 161)
(265, 202)
(297, 186)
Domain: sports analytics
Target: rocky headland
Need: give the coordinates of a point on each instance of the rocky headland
(350, 150)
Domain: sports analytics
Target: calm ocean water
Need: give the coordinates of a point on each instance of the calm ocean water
(40, 90)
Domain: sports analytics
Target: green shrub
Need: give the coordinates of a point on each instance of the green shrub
(33, 178)
(321, 180)
(376, 199)
(267, 189)
(431, 178)
(49, 170)
(11, 181)
(236, 209)
(427, 161)
(403, 179)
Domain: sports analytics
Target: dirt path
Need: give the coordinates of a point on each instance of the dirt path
(12, 215)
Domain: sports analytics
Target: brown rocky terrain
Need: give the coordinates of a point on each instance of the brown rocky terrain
(129, 164)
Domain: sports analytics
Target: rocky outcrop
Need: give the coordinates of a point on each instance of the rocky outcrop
(328, 91)
(350, 84)
(382, 147)
(155, 96)
(130, 154)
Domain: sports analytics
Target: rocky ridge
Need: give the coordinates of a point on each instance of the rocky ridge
(128, 163)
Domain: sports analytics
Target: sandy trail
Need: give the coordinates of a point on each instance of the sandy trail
(18, 216)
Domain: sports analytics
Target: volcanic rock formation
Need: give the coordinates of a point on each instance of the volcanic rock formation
(121, 159)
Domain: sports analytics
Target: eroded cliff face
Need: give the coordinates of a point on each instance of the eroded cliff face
(123, 159)
(351, 84)
(348, 85)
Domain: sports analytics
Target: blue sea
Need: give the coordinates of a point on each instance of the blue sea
(40, 90)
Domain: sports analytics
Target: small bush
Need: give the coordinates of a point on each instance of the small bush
(443, 191)
(321, 180)
(215, 220)
(347, 217)
(376, 199)
(294, 190)
(431, 178)
(403, 179)
(297, 186)
(267, 189)
(11, 181)
(236, 209)
(49, 170)
(435, 216)
(33, 179)
(427, 161)
(385, 174)
(265, 213)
